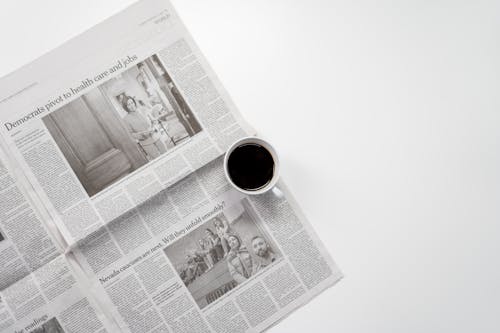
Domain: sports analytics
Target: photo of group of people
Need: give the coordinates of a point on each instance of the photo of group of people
(125, 122)
(222, 253)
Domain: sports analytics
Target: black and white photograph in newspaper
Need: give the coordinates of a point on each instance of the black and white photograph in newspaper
(122, 124)
(50, 326)
(223, 253)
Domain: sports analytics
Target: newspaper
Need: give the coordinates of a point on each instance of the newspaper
(116, 214)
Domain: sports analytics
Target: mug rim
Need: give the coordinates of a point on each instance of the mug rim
(274, 155)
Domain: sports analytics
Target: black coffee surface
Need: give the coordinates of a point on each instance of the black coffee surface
(250, 166)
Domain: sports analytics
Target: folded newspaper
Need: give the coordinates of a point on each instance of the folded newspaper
(115, 212)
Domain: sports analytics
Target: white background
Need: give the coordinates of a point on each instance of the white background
(387, 118)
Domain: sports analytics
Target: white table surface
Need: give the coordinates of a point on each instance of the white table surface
(387, 118)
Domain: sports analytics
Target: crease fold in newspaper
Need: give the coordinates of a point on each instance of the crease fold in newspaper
(116, 214)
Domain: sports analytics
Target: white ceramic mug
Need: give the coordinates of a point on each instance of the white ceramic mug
(269, 148)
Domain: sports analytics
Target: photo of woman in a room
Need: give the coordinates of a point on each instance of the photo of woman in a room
(155, 97)
(127, 121)
(141, 128)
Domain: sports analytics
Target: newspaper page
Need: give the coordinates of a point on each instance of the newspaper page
(26, 244)
(117, 216)
(39, 289)
(114, 116)
(52, 299)
(220, 261)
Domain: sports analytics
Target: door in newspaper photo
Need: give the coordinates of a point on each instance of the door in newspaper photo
(121, 125)
(223, 253)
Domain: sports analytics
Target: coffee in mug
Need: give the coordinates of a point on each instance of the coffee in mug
(251, 165)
